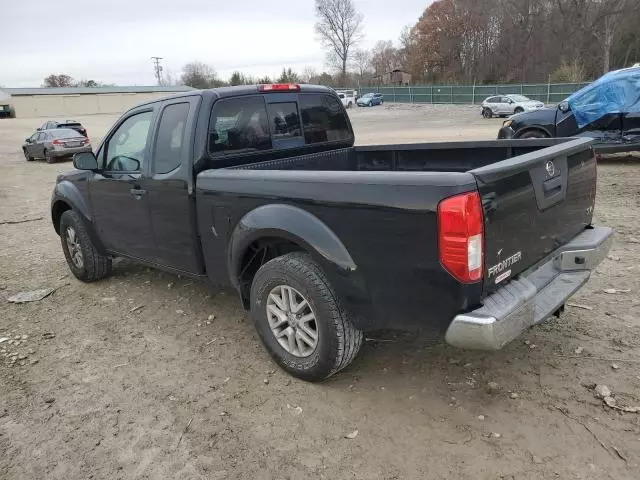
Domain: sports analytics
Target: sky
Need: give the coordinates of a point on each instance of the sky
(111, 41)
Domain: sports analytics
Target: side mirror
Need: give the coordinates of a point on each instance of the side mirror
(28, 139)
(39, 129)
(564, 107)
(85, 161)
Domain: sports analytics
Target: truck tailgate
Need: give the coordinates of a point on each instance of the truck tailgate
(533, 204)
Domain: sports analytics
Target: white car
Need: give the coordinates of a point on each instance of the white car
(504, 105)
(347, 98)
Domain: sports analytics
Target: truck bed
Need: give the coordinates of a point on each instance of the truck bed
(382, 202)
(420, 157)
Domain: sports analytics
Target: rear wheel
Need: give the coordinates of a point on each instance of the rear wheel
(48, 157)
(84, 260)
(487, 112)
(533, 134)
(300, 319)
(27, 157)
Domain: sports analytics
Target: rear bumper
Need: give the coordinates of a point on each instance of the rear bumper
(533, 296)
(69, 152)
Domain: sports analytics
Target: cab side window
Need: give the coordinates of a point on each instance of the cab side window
(127, 148)
(171, 137)
(239, 125)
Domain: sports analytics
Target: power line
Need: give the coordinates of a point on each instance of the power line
(158, 69)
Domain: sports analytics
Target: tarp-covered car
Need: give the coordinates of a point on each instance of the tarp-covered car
(607, 110)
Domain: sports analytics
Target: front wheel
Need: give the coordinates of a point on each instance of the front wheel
(300, 319)
(487, 113)
(84, 260)
(518, 110)
(533, 134)
(27, 157)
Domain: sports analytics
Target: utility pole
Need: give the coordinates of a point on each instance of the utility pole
(158, 69)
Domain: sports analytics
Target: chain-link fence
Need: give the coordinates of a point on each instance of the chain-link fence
(472, 94)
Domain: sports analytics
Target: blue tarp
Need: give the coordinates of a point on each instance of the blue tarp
(614, 92)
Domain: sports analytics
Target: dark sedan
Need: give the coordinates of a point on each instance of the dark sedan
(607, 110)
(616, 132)
(54, 144)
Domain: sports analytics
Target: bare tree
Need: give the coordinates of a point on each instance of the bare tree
(362, 62)
(308, 74)
(384, 57)
(60, 80)
(339, 26)
(198, 75)
(609, 17)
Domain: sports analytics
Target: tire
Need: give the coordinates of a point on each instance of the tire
(487, 113)
(48, 158)
(337, 340)
(518, 110)
(93, 265)
(27, 157)
(533, 134)
(349, 105)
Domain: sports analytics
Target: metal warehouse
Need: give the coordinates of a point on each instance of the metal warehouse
(68, 102)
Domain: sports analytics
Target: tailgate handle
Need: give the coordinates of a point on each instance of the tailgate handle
(136, 192)
(550, 191)
(552, 186)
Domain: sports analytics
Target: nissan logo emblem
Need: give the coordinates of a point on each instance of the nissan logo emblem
(550, 168)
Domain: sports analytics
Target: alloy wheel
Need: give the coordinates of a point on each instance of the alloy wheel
(292, 321)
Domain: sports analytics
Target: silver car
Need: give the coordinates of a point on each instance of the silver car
(504, 105)
(55, 143)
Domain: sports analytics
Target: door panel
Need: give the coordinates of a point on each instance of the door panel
(607, 129)
(121, 217)
(118, 199)
(172, 206)
(38, 147)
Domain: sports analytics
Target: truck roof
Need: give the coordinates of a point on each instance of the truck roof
(236, 91)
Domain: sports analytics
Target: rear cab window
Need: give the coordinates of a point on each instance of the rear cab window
(248, 124)
(323, 119)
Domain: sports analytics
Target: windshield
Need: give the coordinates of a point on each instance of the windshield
(367, 95)
(520, 98)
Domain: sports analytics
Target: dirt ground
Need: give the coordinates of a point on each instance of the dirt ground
(128, 379)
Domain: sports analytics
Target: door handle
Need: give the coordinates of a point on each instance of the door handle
(137, 192)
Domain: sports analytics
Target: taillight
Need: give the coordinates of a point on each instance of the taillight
(57, 142)
(279, 87)
(461, 236)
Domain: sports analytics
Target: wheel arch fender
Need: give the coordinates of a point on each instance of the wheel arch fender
(292, 224)
(67, 196)
(533, 128)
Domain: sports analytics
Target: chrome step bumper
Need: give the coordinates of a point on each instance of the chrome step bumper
(533, 296)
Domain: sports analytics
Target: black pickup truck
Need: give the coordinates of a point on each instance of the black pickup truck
(261, 188)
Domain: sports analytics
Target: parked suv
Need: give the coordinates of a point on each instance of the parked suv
(504, 105)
